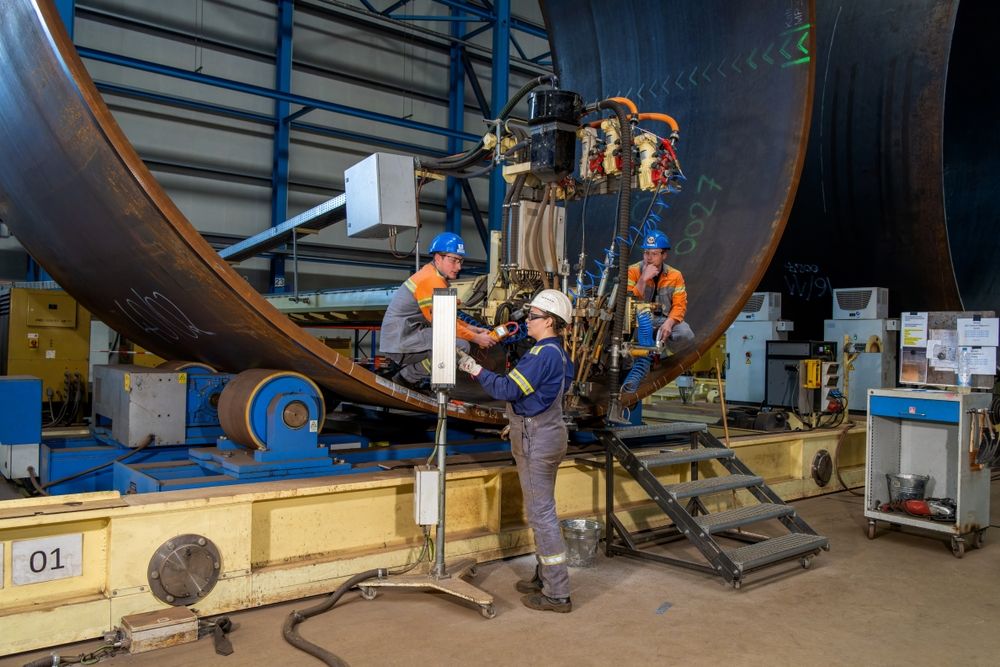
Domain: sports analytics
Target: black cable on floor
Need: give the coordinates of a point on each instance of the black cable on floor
(291, 633)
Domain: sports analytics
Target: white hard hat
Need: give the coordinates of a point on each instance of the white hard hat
(555, 302)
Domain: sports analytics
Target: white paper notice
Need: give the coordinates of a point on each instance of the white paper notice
(914, 330)
(942, 350)
(983, 360)
(983, 332)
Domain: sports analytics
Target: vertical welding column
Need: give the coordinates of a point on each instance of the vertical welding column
(443, 369)
(499, 94)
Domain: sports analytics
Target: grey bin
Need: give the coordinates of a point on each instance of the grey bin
(581, 536)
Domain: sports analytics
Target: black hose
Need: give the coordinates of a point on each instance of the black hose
(291, 634)
(624, 210)
(150, 439)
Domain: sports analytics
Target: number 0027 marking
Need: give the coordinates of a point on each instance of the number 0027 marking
(46, 559)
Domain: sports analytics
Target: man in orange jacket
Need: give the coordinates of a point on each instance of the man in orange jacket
(652, 280)
(405, 337)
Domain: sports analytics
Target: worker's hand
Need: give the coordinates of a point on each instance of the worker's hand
(484, 340)
(663, 333)
(649, 272)
(469, 365)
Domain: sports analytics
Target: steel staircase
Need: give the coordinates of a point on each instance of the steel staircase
(641, 450)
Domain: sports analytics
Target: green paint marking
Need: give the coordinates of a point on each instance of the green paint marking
(691, 75)
(802, 40)
(796, 62)
(677, 81)
(719, 69)
(703, 73)
(767, 58)
(782, 51)
(804, 26)
(750, 61)
(738, 70)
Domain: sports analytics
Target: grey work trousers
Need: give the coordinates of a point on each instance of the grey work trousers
(416, 366)
(539, 445)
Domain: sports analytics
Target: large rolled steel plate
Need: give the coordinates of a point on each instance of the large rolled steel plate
(899, 187)
(81, 201)
(738, 78)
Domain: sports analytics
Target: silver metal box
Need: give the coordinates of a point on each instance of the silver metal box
(159, 629)
(761, 307)
(746, 356)
(132, 402)
(381, 194)
(861, 303)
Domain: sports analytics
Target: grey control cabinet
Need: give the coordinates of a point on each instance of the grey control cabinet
(133, 402)
(927, 432)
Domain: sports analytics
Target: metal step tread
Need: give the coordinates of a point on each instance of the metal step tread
(701, 487)
(775, 549)
(742, 516)
(678, 456)
(650, 430)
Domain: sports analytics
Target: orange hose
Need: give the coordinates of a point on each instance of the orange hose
(669, 120)
(627, 102)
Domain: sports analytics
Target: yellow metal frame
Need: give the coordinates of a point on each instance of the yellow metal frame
(290, 539)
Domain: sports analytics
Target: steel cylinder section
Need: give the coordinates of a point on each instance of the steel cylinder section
(899, 186)
(80, 200)
(737, 77)
(265, 409)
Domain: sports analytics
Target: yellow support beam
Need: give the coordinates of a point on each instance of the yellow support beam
(290, 539)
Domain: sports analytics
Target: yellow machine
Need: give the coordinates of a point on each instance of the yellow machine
(45, 333)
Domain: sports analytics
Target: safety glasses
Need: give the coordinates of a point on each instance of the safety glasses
(535, 316)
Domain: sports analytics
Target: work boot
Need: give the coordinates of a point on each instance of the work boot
(542, 602)
(533, 585)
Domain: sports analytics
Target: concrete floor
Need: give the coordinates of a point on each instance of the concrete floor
(901, 599)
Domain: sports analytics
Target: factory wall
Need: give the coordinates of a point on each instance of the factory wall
(217, 169)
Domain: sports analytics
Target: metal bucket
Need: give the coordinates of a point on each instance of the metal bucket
(906, 487)
(581, 537)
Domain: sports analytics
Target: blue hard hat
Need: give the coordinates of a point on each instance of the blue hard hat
(656, 240)
(448, 242)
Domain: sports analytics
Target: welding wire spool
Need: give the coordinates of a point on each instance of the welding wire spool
(190, 367)
(245, 401)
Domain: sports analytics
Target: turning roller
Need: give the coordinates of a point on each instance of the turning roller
(266, 409)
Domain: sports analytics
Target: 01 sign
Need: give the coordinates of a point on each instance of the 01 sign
(46, 559)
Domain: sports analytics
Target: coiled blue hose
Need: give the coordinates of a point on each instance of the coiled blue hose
(641, 366)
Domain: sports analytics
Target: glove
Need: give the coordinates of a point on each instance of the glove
(469, 365)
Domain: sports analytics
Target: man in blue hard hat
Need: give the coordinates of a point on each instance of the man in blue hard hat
(405, 337)
(654, 281)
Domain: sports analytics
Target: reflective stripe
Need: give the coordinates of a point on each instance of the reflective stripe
(426, 363)
(410, 285)
(425, 302)
(680, 289)
(558, 559)
(535, 350)
(521, 381)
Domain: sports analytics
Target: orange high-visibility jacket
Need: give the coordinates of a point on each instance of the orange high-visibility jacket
(669, 290)
(409, 312)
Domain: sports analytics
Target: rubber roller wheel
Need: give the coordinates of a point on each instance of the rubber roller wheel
(244, 401)
(190, 367)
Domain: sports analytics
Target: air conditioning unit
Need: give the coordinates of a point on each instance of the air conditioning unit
(761, 307)
(861, 303)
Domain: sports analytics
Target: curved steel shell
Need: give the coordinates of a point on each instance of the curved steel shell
(80, 200)
(738, 78)
(898, 189)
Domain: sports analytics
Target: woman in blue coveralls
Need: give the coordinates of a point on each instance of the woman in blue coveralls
(538, 438)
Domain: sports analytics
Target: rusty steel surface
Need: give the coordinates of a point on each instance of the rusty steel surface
(899, 186)
(82, 203)
(738, 78)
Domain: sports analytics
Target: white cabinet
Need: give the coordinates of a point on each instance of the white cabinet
(926, 432)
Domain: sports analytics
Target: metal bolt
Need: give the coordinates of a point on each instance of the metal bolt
(154, 575)
(216, 565)
(170, 545)
(170, 598)
(201, 541)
